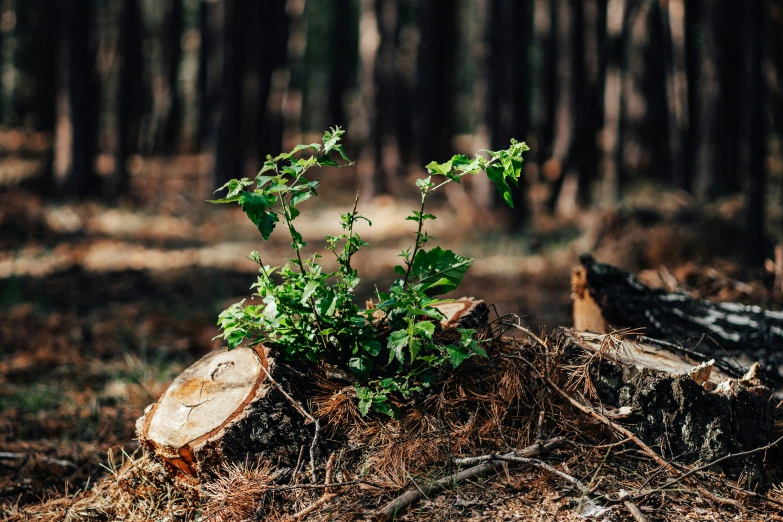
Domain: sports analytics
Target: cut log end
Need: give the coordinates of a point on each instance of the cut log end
(465, 312)
(221, 409)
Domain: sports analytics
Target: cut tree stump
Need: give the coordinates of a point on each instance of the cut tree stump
(224, 409)
(606, 298)
(686, 406)
(465, 312)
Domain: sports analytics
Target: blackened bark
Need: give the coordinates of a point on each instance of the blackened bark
(229, 155)
(625, 302)
(80, 178)
(130, 89)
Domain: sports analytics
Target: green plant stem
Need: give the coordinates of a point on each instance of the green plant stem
(350, 252)
(417, 245)
(318, 322)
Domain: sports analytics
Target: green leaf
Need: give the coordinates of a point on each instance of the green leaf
(399, 270)
(299, 197)
(372, 347)
(426, 328)
(263, 180)
(256, 206)
(398, 340)
(360, 367)
(430, 268)
(442, 169)
(497, 175)
(457, 354)
(309, 289)
(235, 186)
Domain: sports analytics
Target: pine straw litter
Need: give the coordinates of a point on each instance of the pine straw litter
(512, 437)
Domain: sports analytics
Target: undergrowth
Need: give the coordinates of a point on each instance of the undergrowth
(312, 315)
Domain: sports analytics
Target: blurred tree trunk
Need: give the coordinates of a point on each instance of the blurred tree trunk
(172, 58)
(343, 43)
(718, 100)
(371, 181)
(130, 89)
(544, 98)
(294, 95)
(209, 70)
(436, 79)
(77, 119)
(228, 154)
(508, 35)
(754, 135)
(672, 14)
(270, 70)
(613, 105)
(570, 79)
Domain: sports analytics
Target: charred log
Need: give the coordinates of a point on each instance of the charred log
(608, 297)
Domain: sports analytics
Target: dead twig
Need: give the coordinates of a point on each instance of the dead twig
(401, 503)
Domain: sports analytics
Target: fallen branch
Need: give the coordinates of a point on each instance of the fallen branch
(411, 496)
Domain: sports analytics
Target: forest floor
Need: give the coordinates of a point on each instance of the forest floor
(101, 307)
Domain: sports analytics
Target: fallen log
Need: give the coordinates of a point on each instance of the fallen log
(606, 298)
(686, 409)
(224, 409)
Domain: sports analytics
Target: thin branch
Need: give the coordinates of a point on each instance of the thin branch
(401, 503)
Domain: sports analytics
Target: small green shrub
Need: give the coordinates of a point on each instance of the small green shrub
(312, 315)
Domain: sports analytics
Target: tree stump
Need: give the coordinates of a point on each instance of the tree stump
(465, 312)
(686, 406)
(224, 409)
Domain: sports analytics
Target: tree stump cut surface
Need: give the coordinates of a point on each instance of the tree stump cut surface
(221, 409)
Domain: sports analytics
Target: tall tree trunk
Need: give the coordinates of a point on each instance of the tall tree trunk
(172, 58)
(294, 96)
(544, 99)
(718, 100)
(613, 105)
(343, 43)
(674, 51)
(130, 88)
(209, 72)
(570, 79)
(229, 154)
(370, 183)
(386, 147)
(76, 136)
(754, 150)
(271, 76)
(436, 78)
